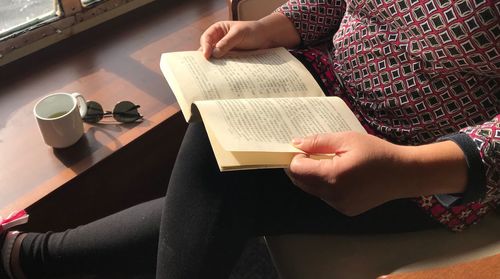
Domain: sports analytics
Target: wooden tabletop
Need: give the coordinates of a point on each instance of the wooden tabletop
(116, 61)
(484, 268)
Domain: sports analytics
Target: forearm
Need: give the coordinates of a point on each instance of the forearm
(438, 168)
(278, 31)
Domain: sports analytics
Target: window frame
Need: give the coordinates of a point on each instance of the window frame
(72, 17)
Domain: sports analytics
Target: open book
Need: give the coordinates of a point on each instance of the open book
(253, 103)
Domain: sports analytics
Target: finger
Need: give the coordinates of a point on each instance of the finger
(205, 47)
(320, 143)
(290, 174)
(228, 42)
(210, 38)
(304, 166)
(309, 174)
(311, 185)
(292, 178)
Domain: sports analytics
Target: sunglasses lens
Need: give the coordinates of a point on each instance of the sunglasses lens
(94, 112)
(126, 111)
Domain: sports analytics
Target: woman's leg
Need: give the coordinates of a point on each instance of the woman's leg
(124, 242)
(207, 218)
(200, 216)
(209, 215)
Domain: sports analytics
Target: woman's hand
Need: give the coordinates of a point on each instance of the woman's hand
(223, 36)
(367, 171)
(271, 31)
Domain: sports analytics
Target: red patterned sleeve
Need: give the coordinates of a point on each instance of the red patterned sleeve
(487, 138)
(314, 20)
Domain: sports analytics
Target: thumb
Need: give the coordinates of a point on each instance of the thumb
(320, 143)
(228, 42)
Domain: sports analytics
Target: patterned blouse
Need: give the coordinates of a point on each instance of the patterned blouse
(416, 72)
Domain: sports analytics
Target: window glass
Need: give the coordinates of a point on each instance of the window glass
(89, 2)
(18, 14)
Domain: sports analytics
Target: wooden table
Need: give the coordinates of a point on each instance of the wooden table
(116, 61)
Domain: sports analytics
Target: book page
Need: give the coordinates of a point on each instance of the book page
(245, 74)
(227, 160)
(270, 124)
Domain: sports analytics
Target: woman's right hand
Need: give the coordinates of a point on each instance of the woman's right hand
(224, 36)
(274, 30)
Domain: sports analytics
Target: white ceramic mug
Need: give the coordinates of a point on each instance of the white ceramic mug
(59, 118)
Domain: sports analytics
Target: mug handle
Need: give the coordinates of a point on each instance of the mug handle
(81, 102)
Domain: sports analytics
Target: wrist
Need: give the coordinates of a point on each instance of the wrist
(278, 31)
(260, 34)
(437, 168)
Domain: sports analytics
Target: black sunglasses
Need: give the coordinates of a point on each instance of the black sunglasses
(124, 112)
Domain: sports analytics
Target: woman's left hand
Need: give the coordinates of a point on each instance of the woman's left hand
(367, 171)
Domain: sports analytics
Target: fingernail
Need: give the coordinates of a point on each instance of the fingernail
(297, 141)
(216, 52)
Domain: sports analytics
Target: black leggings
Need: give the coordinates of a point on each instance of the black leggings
(200, 228)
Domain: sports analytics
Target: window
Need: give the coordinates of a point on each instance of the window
(89, 2)
(18, 14)
(29, 25)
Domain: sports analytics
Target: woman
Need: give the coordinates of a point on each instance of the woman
(422, 77)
